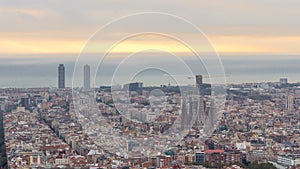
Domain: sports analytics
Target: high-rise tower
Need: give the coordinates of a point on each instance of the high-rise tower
(61, 76)
(87, 77)
(199, 81)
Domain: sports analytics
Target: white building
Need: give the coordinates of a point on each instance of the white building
(289, 160)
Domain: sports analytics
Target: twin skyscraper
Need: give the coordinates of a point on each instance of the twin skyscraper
(86, 77)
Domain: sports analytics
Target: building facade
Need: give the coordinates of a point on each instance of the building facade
(61, 76)
(87, 77)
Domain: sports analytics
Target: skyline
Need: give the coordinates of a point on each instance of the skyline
(238, 71)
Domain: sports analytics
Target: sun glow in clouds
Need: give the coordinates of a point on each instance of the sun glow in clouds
(21, 44)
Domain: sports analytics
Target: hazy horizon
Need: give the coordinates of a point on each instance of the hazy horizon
(240, 69)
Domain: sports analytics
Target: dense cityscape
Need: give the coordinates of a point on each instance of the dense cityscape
(258, 127)
(114, 84)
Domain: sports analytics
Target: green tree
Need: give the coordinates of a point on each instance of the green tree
(255, 165)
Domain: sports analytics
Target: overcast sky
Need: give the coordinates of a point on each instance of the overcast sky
(35, 28)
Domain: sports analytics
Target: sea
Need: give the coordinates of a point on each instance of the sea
(23, 72)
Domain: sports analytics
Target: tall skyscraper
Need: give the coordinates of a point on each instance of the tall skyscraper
(199, 82)
(61, 76)
(87, 77)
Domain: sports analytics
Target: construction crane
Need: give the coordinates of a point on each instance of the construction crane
(208, 76)
(199, 77)
(199, 80)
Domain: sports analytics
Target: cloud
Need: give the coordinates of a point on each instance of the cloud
(257, 44)
(234, 26)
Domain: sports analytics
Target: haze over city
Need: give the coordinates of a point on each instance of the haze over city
(150, 84)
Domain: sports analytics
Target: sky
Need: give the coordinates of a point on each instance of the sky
(34, 28)
(257, 40)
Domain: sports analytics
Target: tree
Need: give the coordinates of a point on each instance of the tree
(255, 165)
